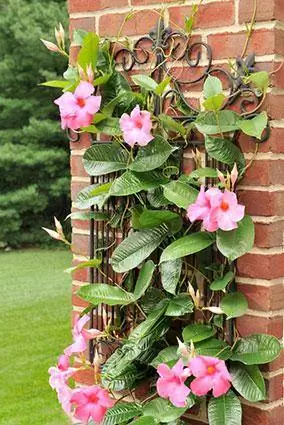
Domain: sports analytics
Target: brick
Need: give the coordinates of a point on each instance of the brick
(84, 377)
(75, 6)
(229, 45)
(80, 244)
(209, 16)
(140, 23)
(262, 203)
(266, 10)
(269, 235)
(88, 24)
(76, 300)
(254, 416)
(77, 167)
(73, 53)
(263, 298)
(275, 365)
(265, 173)
(274, 144)
(76, 187)
(261, 266)
(84, 141)
(274, 105)
(274, 388)
(148, 2)
(248, 325)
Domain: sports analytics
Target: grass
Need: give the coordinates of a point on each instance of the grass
(35, 309)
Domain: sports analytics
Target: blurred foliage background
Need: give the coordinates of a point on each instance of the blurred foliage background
(34, 152)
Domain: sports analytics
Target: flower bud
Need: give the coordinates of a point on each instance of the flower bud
(90, 73)
(50, 46)
(234, 175)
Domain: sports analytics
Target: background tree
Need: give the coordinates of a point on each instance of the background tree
(34, 159)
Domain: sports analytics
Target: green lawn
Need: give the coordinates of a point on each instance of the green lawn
(35, 309)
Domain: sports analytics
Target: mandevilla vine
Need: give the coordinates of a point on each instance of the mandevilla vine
(183, 236)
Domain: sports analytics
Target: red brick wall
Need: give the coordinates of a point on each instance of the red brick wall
(221, 23)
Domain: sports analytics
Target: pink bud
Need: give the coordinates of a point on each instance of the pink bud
(221, 177)
(90, 73)
(58, 226)
(59, 35)
(50, 46)
(234, 175)
(52, 233)
(63, 362)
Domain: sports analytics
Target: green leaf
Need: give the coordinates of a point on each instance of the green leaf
(144, 420)
(88, 215)
(88, 54)
(171, 124)
(71, 74)
(95, 194)
(104, 158)
(206, 122)
(78, 36)
(144, 279)
(153, 218)
(203, 172)
(259, 79)
(197, 332)
(152, 156)
(214, 103)
(170, 274)
(235, 243)
(180, 305)
(95, 262)
(121, 412)
(130, 182)
(100, 293)
(221, 283)
(159, 90)
(145, 82)
(156, 198)
(123, 381)
(234, 305)
(151, 299)
(255, 126)
(103, 79)
(181, 194)
(136, 248)
(225, 410)
(225, 151)
(162, 410)
(187, 245)
(212, 87)
(248, 381)
(256, 349)
(214, 348)
(61, 84)
(109, 126)
(168, 355)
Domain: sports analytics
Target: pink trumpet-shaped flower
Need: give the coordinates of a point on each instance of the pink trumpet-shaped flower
(80, 335)
(78, 109)
(60, 374)
(136, 128)
(217, 209)
(171, 385)
(91, 403)
(210, 374)
(64, 394)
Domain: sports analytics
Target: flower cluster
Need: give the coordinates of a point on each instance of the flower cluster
(210, 373)
(86, 403)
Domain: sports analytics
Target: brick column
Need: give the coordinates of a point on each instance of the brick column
(220, 23)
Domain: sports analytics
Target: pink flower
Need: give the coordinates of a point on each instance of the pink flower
(217, 209)
(64, 394)
(77, 109)
(80, 335)
(91, 403)
(136, 128)
(60, 374)
(210, 373)
(171, 385)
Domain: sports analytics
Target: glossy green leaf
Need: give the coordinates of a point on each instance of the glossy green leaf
(256, 349)
(71, 73)
(144, 279)
(171, 124)
(125, 380)
(203, 172)
(151, 299)
(100, 81)
(248, 381)
(206, 122)
(255, 126)
(162, 410)
(89, 51)
(225, 151)
(95, 194)
(95, 262)
(156, 198)
(234, 305)
(187, 245)
(214, 348)
(159, 90)
(130, 182)
(121, 413)
(109, 126)
(259, 79)
(225, 410)
(144, 420)
(152, 156)
(179, 193)
(235, 243)
(180, 305)
(212, 87)
(153, 218)
(221, 283)
(197, 332)
(168, 355)
(100, 293)
(170, 274)
(214, 103)
(136, 248)
(61, 84)
(104, 158)
(145, 82)
(88, 215)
